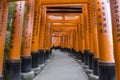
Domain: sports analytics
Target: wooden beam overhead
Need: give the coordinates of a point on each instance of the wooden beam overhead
(62, 29)
(46, 2)
(74, 14)
(15, 0)
(63, 21)
(63, 25)
(58, 33)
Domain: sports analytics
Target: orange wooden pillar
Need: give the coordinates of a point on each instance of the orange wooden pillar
(50, 44)
(13, 64)
(45, 43)
(76, 51)
(82, 37)
(68, 37)
(74, 38)
(68, 33)
(65, 40)
(26, 47)
(74, 42)
(47, 32)
(115, 7)
(35, 35)
(86, 28)
(95, 39)
(70, 40)
(77, 45)
(45, 39)
(72, 34)
(42, 33)
(3, 25)
(90, 24)
(49, 36)
(80, 42)
(106, 63)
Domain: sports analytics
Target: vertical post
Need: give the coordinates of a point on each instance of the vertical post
(86, 51)
(3, 25)
(41, 51)
(47, 41)
(115, 7)
(42, 31)
(49, 36)
(71, 41)
(76, 32)
(79, 41)
(106, 63)
(35, 37)
(90, 24)
(62, 41)
(82, 36)
(41, 39)
(66, 40)
(95, 41)
(26, 57)
(76, 42)
(74, 38)
(13, 64)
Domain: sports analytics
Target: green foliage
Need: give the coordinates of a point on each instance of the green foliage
(10, 15)
(9, 26)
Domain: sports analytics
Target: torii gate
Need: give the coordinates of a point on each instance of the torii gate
(94, 35)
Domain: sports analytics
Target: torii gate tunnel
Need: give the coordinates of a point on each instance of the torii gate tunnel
(88, 29)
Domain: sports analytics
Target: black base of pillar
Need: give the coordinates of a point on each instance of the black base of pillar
(35, 59)
(91, 60)
(107, 71)
(86, 57)
(26, 64)
(12, 70)
(41, 56)
(77, 55)
(74, 52)
(51, 50)
(1, 78)
(95, 66)
(80, 55)
(70, 51)
(44, 56)
(47, 54)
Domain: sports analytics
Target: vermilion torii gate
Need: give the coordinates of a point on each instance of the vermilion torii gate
(95, 37)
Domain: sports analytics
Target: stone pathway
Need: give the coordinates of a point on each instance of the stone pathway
(62, 67)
